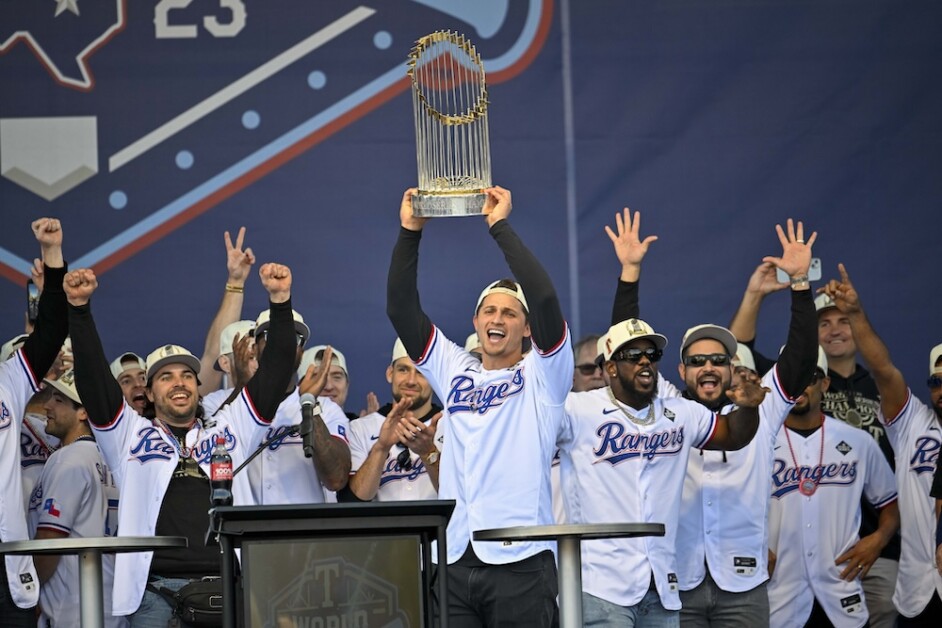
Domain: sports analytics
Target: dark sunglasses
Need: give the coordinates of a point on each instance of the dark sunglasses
(934, 382)
(717, 359)
(817, 377)
(588, 369)
(264, 336)
(635, 355)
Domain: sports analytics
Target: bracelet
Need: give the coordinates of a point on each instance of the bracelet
(233, 288)
(801, 281)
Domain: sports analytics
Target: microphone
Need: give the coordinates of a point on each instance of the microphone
(309, 407)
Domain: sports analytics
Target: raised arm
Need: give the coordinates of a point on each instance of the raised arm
(100, 392)
(889, 379)
(239, 263)
(630, 250)
(798, 358)
(547, 325)
(52, 323)
(402, 291)
(762, 283)
(268, 387)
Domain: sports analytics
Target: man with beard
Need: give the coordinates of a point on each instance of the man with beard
(75, 497)
(161, 465)
(623, 452)
(913, 428)
(821, 469)
(394, 450)
(282, 474)
(722, 532)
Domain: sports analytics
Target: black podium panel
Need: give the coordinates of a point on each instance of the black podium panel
(325, 565)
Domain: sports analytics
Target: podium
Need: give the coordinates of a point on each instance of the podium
(333, 564)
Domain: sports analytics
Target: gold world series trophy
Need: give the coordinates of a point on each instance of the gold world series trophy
(449, 99)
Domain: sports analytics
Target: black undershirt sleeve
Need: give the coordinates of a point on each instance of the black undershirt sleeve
(267, 387)
(626, 304)
(547, 325)
(100, 393)
(52, 324)
(797, 361)
(403, 307)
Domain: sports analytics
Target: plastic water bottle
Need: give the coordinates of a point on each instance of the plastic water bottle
(220, 474)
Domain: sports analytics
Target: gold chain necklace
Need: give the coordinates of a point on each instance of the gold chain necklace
(648, 420)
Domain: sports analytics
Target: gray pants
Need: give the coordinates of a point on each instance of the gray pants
(878, 591)
(707, 605)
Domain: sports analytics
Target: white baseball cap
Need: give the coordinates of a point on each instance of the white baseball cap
(934, 356)
(823, 302)
(399, 351)
(745, 358)
(11, 345)
(714, 332)
(263, 322)
(170, 354)
(65, 384)
(473, 343)
(228, 335)
(118, 366)
(493, 288)
(624, 332)
(314, 355)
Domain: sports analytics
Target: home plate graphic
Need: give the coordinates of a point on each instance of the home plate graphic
(141, 116)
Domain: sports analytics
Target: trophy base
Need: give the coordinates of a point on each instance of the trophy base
(426, 205)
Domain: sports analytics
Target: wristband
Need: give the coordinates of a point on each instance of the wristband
(233, 288)
(800, 282)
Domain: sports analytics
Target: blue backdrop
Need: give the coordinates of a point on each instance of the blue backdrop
(150, 128)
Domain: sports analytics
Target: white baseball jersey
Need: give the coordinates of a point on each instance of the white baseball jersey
(17, 385)
(916, 437)
(502, 428)
(35, 448)
(281, 474)
(395, 483)
(723, 523)
(213, 400)
(808, 533)
(76, 495)
(142, 454)
(616, 470)
(556, 487)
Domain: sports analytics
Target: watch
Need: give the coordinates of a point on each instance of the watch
(432, 457)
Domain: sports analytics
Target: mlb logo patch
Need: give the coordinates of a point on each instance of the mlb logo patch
(843, 447)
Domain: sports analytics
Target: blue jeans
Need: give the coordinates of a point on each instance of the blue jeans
(648, 613)
(155, 611)
(708, 605)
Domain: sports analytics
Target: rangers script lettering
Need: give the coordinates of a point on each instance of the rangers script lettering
(4, 416)
(31, 452)
(393, 472)
(786, 479)
(464, 397)
(624, 446)
(925, 455)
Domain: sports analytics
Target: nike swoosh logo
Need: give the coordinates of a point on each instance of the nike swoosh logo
(776, 448)
(610, 410)
(374, 437)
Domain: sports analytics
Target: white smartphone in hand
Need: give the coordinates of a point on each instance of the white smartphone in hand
(814, 272)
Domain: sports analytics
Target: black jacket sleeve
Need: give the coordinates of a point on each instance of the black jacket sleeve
(267, 387)
(100, 393)
(547, 325)
(797, 361)
(626, 302)
(52, 324)
(402, 295)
